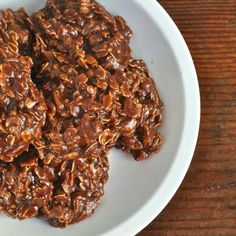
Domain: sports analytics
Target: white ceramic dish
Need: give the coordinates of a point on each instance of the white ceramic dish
(138, 191)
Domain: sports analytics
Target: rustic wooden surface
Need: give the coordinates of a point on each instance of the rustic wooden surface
(205, 205)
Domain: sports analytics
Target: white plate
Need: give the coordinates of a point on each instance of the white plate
(138, 191)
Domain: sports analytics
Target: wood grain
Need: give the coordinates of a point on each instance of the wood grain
(205, 205)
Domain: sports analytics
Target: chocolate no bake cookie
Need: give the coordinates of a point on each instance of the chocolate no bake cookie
(70, 91)
(22, 108)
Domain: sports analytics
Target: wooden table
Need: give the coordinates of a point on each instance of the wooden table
(205, 204)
